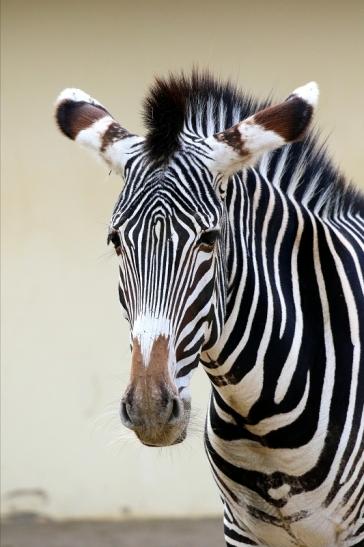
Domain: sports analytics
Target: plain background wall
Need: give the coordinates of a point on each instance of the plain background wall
(65, 345)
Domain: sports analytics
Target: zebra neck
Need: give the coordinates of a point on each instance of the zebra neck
(269, 248)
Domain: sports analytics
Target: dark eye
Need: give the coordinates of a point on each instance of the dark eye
(114, 237)
(208, 238)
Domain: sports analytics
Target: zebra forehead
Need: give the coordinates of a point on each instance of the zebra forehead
(143, 203)
(171, 221)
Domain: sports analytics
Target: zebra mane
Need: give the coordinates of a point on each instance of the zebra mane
(199, 101)
(203, 104)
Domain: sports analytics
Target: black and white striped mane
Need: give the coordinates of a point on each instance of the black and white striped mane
(204, 105)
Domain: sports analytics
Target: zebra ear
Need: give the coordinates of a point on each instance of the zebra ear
(268, 129)
(86, 121)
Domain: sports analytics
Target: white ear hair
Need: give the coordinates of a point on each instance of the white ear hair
(309, 92)
(86, 121)
(268, 129)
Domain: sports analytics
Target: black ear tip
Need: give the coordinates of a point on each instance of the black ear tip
(64, 114)
(302, 117)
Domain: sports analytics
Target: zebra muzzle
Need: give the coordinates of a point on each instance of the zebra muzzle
(151, 406)
(159, 419)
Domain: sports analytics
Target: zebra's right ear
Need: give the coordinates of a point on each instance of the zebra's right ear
(86, 121)
(242, 145)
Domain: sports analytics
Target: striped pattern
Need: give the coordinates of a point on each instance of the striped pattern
(285, 424)
(284, 431)
(258, 274)
(167, 282)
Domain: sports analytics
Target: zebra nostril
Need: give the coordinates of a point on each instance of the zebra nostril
(176, 411)
(125, 416)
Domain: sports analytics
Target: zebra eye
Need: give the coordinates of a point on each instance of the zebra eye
(114, 237)
(208, 238)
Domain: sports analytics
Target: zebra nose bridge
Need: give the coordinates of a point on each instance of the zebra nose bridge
(150, 362)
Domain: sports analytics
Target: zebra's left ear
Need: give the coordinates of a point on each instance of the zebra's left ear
(86, 121)
(241, 145)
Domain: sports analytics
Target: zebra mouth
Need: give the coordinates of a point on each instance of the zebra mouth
(177, 441)
(164, 438)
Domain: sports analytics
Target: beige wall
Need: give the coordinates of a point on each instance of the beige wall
(65, 346)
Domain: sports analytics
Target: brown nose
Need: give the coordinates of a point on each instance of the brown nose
(151, 406)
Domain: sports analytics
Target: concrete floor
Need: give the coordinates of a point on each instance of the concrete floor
(153, 533)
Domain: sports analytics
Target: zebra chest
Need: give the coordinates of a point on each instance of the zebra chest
(262, 489)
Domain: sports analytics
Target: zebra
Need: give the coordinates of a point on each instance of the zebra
(241, 247)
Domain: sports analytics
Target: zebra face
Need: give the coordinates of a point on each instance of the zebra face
(168, 238)
(168, 228)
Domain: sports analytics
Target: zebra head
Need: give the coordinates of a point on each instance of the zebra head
(170, 230)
